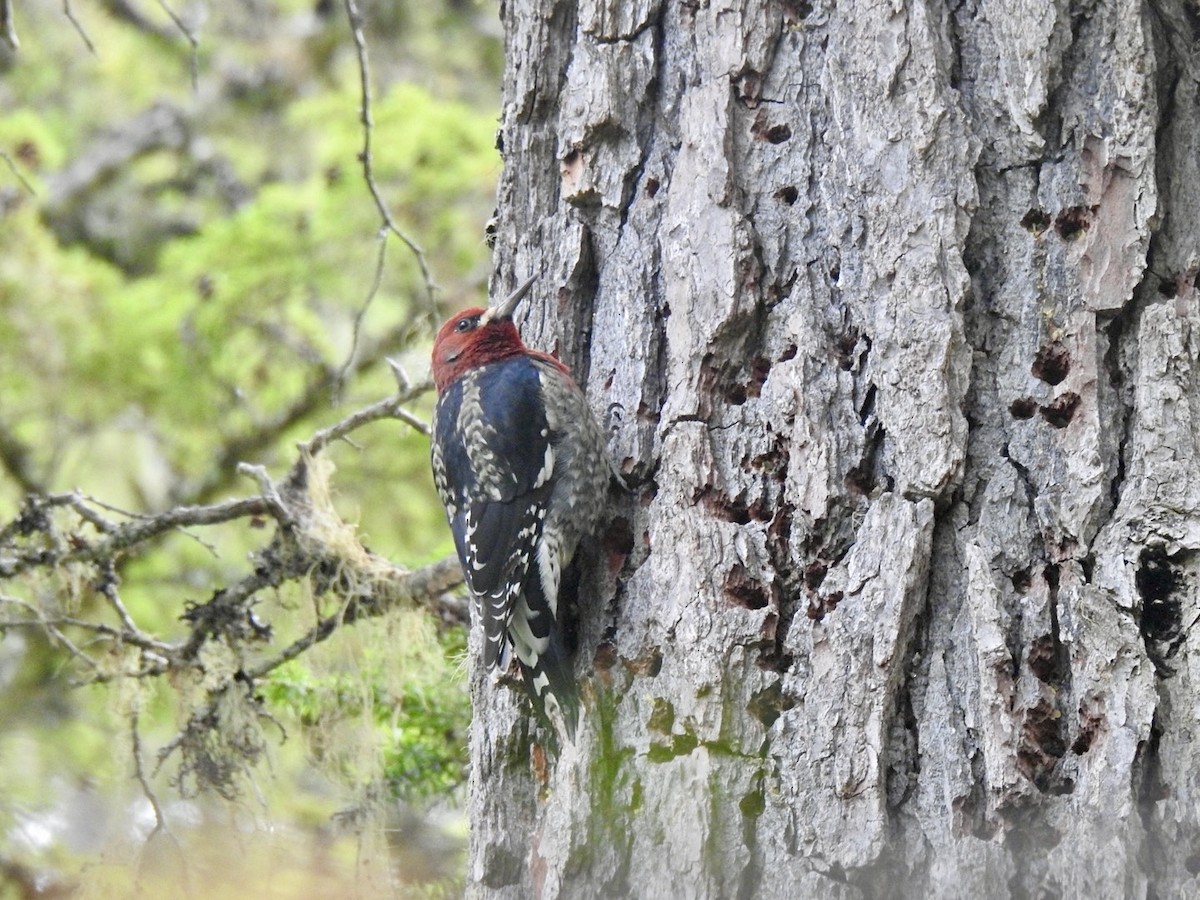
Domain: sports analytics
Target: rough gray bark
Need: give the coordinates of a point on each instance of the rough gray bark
(891, 309)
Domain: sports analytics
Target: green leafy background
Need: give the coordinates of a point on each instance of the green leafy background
(190, 300)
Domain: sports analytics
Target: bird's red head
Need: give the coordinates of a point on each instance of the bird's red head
(476, 337)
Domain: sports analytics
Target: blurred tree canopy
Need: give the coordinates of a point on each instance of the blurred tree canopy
(197, 271)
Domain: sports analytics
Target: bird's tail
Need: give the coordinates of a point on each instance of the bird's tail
(495, 611)
(551, 682)
(540, 644)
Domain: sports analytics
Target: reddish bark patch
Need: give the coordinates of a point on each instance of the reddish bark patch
(605, 657)
(776, 133)
(617, 542)
(539, 764)
(1090, 725)
(1044, 660)
(1052, 363)
(859, 481)
(819, 607)
(815, 572)
(1071, 223)
(1061, 409)
(648, 663)
(744, 591)
(760, 368)
(1023, 408)
(1036, 221)
(1041, 746)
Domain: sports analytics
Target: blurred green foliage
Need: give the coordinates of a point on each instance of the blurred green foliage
(421, 718)
(184, 264)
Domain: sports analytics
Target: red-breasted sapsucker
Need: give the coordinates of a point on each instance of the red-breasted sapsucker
(520, 464)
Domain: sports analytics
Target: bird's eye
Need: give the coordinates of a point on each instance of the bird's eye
(466, 324)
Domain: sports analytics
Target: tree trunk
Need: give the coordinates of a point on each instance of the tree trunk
(889, 307)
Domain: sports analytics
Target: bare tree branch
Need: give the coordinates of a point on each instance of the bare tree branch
(25, 183)
(161, 826)
(134, 638)
(389, 408)
(126, 12)
(51, 627)
(8, 28)
(194, 63)
(365, 156)
(376, 281)
(318, 392)
(430, 582)
(79, 29)
(119, 538)
(81, 540)
(302, 518)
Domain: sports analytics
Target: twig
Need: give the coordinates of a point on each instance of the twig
(8, 28)
(83, 504)
(142, 529)
(403, 382)
(25, 183)
(428, 582)
(368, 123)
(108, 587)
(79, 502)
(70, 14)
(318, 391)
(194, 63)
(127, 535)
(409, 419)
(389, 408)
(160, 819)
(270, 494)
(133, 637)
(376, 281)
(55, 634)
(124, 11)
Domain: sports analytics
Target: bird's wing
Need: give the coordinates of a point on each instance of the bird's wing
(498, 459)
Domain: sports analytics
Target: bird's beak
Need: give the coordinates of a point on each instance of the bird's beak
(506, 309)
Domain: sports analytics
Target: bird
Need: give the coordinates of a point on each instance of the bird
(521, 466)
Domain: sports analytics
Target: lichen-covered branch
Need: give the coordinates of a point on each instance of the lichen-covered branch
(228, 648)
(33, 519)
